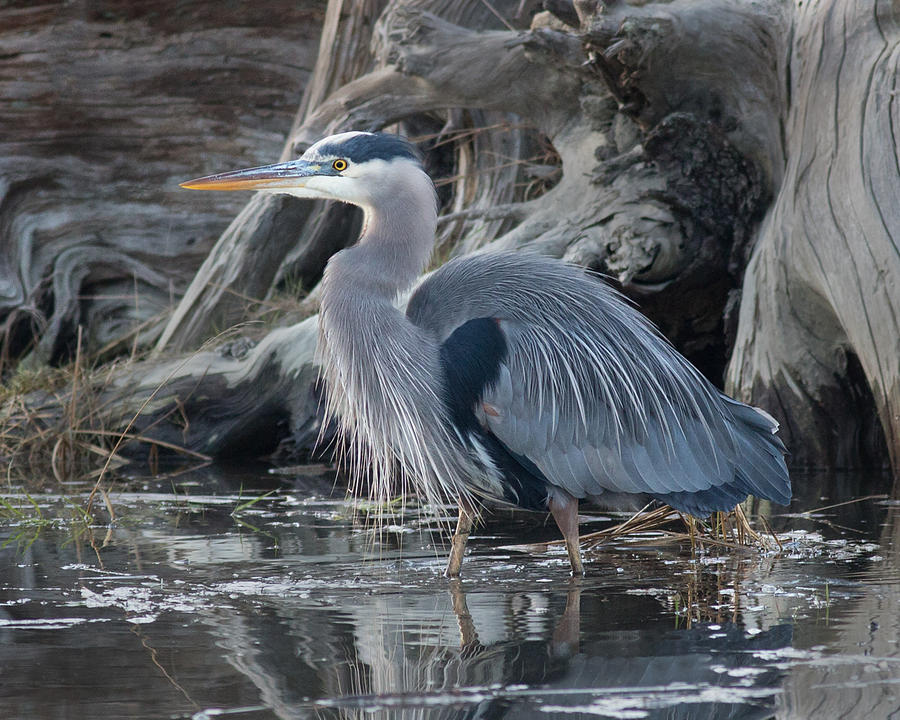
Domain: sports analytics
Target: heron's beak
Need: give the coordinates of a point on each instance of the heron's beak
(284, 175)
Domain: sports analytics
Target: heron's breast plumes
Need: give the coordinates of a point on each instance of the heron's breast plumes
(383, 390)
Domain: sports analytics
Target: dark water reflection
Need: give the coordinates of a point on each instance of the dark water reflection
(291, 610)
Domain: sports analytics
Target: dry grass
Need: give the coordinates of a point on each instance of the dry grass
(48, 424)
(722, 529)
(664, 524)
(65, 426)
(60, 427)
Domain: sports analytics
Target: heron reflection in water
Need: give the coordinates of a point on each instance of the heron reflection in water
(510, 378)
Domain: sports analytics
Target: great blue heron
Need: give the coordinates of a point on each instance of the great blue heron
(511, 377)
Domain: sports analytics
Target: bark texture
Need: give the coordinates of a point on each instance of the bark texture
(819, 332)
(107, 105)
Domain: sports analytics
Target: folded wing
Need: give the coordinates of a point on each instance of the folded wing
(588, 393)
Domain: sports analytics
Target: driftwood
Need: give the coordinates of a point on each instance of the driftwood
(666, 144)
(106, 106)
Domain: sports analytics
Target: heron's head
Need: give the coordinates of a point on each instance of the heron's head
(361, 168)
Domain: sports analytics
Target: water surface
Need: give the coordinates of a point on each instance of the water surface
(195, 604)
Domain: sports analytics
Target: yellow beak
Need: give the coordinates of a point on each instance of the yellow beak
(281, 175)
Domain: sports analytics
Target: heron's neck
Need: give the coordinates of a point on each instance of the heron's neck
(382, 371)
(394, 246)
(394, 251)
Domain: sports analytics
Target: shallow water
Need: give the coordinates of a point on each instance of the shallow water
(288, 608)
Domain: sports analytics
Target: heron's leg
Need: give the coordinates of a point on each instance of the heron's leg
(564, 509)
(568, 629)
(468, 635)
(460, 538)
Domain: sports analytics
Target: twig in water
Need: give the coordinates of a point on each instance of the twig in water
(846, 502)
(772, 532)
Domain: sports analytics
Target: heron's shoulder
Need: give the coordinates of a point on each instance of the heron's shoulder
(490, 284)
(512, 263)
(445, 298)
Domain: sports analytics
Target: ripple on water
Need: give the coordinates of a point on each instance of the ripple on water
(290, 608)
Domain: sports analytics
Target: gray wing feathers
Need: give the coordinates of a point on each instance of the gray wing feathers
(762, 452)
(592, 394)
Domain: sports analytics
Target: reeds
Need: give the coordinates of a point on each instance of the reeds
(51, 426)
(67, 425)
(665, 524)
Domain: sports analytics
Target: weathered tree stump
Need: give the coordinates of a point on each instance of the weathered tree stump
(819, 332)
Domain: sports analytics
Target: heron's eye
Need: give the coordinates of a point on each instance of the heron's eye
(339, 165)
